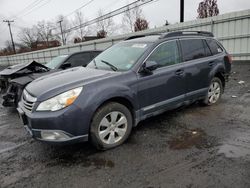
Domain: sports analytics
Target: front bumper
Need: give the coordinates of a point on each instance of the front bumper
(55, 127)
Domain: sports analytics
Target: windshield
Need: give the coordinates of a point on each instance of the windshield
(120, 57)
(55, 62)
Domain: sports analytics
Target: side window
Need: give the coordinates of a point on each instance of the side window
(207, 50)
(81, 59)
(166, 54)
(214, 46)
(94, 54)
(192, 49)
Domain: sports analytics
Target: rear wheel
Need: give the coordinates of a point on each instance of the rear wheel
(111, 126)
(214, 92)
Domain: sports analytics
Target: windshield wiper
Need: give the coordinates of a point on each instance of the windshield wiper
(114, 68)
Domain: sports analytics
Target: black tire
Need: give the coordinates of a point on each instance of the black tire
(207, 101)
(100, 114)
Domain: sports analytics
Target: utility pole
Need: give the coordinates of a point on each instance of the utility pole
(181, 10)
(60, 22)
(13, 44)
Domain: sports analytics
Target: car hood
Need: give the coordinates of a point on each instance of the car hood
(59, 82)
(20, 68)
(24, 80)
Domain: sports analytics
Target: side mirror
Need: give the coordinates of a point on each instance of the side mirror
(148, 67)
(66, 65)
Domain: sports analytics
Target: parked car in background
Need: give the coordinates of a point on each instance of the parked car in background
(127, 83)
(16, 77)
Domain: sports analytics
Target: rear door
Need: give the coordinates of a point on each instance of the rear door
(165, 87)
(198, 61)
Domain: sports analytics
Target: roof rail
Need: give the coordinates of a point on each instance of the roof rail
(134, 37)
(187, 33)
(139, 36)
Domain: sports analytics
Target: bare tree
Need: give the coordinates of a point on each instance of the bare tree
(7, 50)
(8, 46)
(140, 24)
(104, 26)
(208, 8)
(167, 23)
(79, 20)
(44, 30)
(130, 16)
(28, 37)
(101, 34)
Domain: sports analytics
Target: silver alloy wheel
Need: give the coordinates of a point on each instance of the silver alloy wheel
(214, 92)
(112, 127)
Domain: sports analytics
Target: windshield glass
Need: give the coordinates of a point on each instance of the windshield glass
(120, 57)
(56, 61)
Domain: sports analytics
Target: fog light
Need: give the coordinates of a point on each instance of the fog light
(54, 135)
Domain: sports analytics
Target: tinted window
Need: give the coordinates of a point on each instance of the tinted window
(166, 54)
(94, 54)
(207, 50)
(214, 46)
(79, 59)
(192, 49)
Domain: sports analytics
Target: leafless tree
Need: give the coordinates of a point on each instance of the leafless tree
(28, 37)
(8, 46)
(104, 26)
(7, 50)
(130, 16)
(208, 8)
(101, 34)
(167, 23)
(44, 30)
(140, 24)
(79, 20)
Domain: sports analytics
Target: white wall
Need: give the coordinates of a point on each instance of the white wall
(233, 30)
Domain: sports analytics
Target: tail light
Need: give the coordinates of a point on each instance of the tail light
(229, 58)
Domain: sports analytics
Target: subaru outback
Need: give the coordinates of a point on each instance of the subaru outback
(137, 78)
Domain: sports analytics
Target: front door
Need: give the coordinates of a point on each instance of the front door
(165, 87)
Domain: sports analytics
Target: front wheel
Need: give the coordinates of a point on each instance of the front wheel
(214, 92)
(111, 126)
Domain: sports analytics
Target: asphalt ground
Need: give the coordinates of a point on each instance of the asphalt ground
(194, 146)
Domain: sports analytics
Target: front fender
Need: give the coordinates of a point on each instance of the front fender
(101, 95)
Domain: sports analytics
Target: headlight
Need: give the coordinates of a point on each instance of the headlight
(60, 101)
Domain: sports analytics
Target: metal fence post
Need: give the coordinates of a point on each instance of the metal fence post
(212, 26)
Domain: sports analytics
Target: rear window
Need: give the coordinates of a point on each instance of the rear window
(214, 46)
(192, 49)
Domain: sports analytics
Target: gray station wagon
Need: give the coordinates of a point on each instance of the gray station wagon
(135, 79)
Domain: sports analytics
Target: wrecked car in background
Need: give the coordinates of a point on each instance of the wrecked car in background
(14, 78)
(19, 70)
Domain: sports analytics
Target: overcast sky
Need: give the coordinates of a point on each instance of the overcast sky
(156, 13)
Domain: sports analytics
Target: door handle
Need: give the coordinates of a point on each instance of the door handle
(179, 72)
(211, 63)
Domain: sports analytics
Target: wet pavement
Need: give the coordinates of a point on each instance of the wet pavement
(194, 146)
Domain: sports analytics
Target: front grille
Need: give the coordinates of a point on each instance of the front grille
(28, 101)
